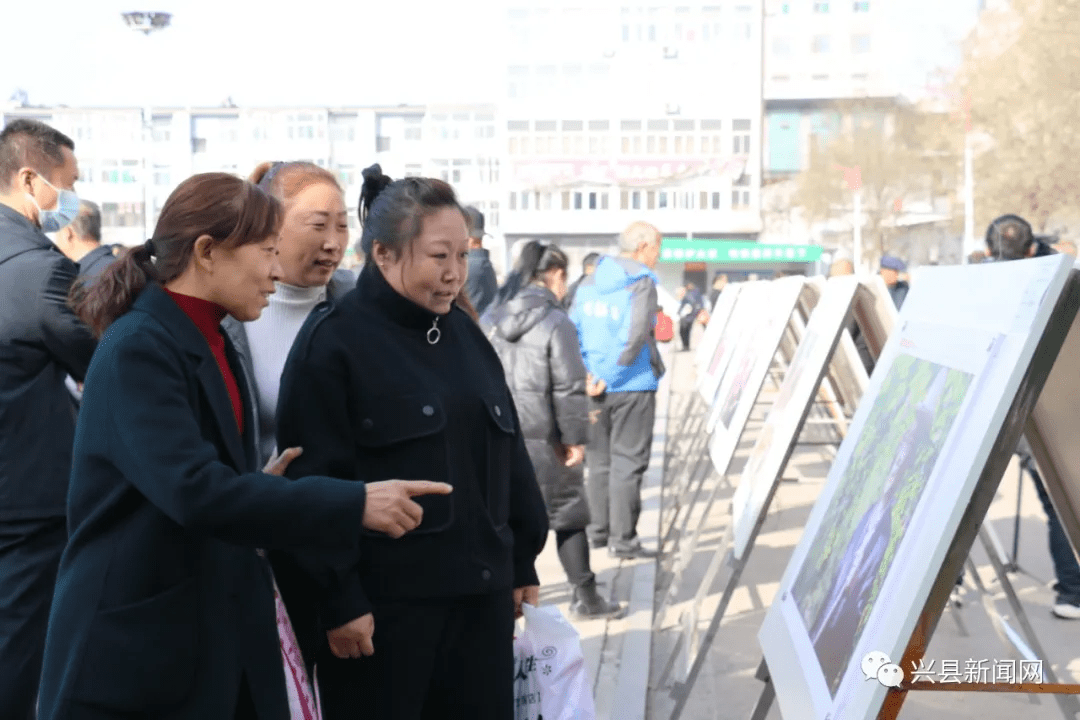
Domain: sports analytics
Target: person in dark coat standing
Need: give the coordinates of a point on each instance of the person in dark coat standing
(588, 266)
(396, 381)
(41, 343)
(891, 267)
(314, 234)
(480, 285)
(164, 607)
(539, 350)
(81, 242)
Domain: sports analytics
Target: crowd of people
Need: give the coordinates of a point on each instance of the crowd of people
(238, 481)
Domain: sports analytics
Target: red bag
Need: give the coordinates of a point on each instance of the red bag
(665, 328)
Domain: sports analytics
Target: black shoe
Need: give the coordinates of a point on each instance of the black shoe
(588, 605)
(598, 543)
(628, 552)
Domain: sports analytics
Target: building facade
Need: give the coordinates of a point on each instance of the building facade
(615, 112)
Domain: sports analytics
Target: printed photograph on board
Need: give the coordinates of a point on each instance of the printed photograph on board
(885, 478)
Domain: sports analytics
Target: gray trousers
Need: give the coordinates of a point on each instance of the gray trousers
(617, 456)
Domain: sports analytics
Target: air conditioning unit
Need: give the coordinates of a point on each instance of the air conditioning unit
(609, 53)
(670, 53)
(672, 109)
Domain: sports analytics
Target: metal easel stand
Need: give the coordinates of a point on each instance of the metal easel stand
(1069, 704)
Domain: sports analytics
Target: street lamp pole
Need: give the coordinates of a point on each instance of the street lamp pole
(146, 23)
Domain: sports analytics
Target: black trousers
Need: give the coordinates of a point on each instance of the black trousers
(573, 548)
(29, 558)
(620, 443)
(686, 326)
(434, 659)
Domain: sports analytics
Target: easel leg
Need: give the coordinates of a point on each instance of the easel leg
(768, 693)
(1069, 704)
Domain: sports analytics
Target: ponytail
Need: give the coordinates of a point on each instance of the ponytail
(231, 211)
(536, 258)
(99, 301)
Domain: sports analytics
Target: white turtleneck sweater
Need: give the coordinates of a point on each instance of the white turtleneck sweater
(271, 337)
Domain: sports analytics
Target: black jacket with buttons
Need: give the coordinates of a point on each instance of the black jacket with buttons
(368, 397)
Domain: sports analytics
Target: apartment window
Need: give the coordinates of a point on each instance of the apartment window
(740, 199)
(566, 200)
(198, 145)
(703, 200)
(819, 77)
(347, 176)
(579, 145)
(741, 136)
(599, 125)
(414, 170)
(546, 126)
(679, 145)
(624, 200)
(524, 201)
(712, 124)
(635, 200)
(603, 201)
(162, 176)
(663, 144)
(860, 43)
(651, 200)
(577, 200)
(705, 146)
(382, 144)
(861, 7)
(524, 146)
(592, 201)
(625, 146)
(781, 46)
(630, 125)
(689, 144)
(594, 145)
(455, 175)
(546, 204)
(650, 144)
(513, 201)
(821, 7)
(661, 201)
(412, 133)
(820, 44)
(513, 150)
(637, 144)
(716, 201)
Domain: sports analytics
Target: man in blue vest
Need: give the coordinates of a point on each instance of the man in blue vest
(615, 313)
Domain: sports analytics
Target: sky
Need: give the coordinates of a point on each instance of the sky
(321, 52)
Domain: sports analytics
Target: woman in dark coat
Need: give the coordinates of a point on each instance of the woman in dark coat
(397, 381)
(538, 346)
(163, 607)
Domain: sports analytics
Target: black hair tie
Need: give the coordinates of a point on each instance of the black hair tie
(148, 246)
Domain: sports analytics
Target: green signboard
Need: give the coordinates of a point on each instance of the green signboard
(681, 250)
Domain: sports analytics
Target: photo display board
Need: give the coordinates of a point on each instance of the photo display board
(749, 305)
(905, 473)
(754, 351)
(719, 316)
(797, 393)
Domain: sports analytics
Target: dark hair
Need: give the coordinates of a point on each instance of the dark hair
(285, 180)
(230, 210)
(1009, 237)
(87, 224)
(30, 143)
(590, 260)
(536, 258)
(392, 211)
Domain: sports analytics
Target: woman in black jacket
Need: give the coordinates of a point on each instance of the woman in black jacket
(538, 346)
(397, 381)
(163, 606)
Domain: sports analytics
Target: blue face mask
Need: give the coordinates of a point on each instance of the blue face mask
(65, 212)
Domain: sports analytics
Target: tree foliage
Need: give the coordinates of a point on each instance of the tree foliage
(905, 155)
(1021, 74)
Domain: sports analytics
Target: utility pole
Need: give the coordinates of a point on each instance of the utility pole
(147, 23)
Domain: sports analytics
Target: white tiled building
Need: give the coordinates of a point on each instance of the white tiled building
(614, 112)
(457, 144)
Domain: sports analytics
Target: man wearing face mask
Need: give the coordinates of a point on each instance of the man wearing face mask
(41, 342)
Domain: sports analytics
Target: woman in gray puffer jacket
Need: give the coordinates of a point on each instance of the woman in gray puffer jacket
(538, 346)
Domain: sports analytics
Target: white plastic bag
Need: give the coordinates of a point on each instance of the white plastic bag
(550, 678)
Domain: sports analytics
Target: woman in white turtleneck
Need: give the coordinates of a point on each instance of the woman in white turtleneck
(313, 239)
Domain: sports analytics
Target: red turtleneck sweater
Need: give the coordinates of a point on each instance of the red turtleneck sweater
(207, 316)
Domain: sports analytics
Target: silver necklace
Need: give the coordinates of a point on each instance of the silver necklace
(433, 333)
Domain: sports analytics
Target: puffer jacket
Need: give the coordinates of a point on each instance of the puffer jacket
(538, 346)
